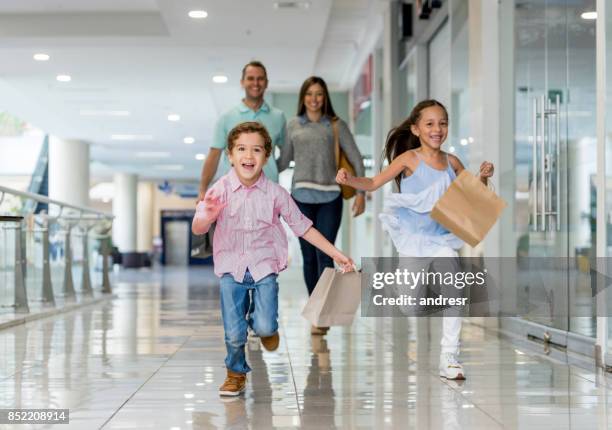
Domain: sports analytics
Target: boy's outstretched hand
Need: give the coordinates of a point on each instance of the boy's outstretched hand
(207, 211)
(212, 206)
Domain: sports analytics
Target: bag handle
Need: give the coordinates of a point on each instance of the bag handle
(489, 183)
(336, 142)
(339, 270)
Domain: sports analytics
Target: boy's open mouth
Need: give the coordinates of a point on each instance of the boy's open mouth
(248, 166)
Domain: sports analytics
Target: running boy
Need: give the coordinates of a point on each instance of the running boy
(250, 246)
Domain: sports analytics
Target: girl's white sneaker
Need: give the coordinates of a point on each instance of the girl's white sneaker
(450, 368)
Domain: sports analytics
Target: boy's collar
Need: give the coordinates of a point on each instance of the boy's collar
(261, 183)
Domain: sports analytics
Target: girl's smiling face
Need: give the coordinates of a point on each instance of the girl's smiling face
(432, 127)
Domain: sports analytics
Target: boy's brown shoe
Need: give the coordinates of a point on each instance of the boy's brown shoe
(270, 342)
(235, 383)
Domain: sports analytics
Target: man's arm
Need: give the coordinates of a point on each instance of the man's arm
(208, 170)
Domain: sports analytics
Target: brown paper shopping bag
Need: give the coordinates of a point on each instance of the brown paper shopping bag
(334, 300)
(468, 208)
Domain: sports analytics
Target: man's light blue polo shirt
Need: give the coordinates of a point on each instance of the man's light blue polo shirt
(274, 121)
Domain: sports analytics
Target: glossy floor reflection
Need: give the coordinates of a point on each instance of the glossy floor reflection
(153, 359)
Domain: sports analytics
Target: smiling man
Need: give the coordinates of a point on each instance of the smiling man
(253, 107)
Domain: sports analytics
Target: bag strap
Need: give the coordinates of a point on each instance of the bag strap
(336, 142)
(489, 183)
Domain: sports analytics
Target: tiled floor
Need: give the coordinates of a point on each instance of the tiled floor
(153, 359)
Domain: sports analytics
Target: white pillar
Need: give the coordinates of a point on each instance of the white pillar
(146, 193)
(124, 209)
(69, 171)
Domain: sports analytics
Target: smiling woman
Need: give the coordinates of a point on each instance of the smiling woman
(311, 142)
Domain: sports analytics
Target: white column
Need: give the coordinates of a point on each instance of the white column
(69, 171)
(602, 354)
(146, 193)
(491, 81)
(378, 136)
(124, 209)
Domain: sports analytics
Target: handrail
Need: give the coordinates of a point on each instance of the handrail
(45, 199)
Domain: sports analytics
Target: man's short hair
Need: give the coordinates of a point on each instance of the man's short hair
(254, 63)
(250, 127)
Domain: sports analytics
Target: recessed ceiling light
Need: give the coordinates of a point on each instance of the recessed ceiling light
(168, 167)
(152, 154)
(63, 78)
(131, 137)
(291, 4)
(200, 156)
(189, 140)
(198, 14)
(219, 79)
(589, 15)
(41, 57)
(174, 117)
(94, 112)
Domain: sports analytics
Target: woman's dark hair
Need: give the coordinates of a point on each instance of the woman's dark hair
(328, 109)
(400, 139)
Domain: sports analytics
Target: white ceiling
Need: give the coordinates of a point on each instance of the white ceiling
(149, 58)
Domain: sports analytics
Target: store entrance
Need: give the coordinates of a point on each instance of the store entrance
(555, 156)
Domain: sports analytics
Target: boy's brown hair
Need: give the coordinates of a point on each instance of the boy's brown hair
(250, 127)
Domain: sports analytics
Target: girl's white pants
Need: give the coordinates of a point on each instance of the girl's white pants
(451, 326)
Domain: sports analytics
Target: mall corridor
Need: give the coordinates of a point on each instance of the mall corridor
(152, 358)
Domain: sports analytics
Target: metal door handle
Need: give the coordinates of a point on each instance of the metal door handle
(534, 165)
(557, 163)
(543, 162)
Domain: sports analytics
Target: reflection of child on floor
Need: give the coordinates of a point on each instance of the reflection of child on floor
(422, 172)
(250, 246)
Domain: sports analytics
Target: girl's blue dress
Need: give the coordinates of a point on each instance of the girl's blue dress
(406, 214)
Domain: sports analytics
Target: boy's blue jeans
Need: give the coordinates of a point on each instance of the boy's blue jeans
(263, 318)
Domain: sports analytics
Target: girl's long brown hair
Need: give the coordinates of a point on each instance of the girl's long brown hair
(327, 109)
(400, 139)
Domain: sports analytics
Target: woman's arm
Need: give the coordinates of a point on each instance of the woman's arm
(370, 184)
(286, 155)
(348, 145)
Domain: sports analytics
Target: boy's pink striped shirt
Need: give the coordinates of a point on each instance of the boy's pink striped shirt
(249, 233)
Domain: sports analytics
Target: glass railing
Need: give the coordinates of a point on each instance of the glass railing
(51, 259)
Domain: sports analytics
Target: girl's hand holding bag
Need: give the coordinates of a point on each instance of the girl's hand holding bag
(468, 208)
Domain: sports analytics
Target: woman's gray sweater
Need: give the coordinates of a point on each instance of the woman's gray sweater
(311, 146)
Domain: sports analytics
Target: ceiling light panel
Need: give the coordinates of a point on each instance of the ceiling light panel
(41, 57)
(198, 14)
(97, 112)
(153, 154)
(589, 15)
(131, 137)
(284, 5)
